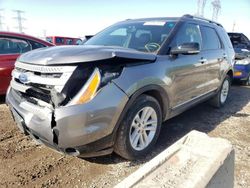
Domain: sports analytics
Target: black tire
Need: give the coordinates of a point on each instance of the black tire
(123, 146)
(247, 82)
(217, 101)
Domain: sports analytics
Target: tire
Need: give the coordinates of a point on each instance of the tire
(247, 82)
(130, 141)
(221, 97)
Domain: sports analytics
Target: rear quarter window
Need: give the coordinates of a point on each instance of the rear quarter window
(210, 38)
(36, 45)
(226, 40)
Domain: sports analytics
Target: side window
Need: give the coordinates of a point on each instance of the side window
(78, 42)
(188, 33)
(59, 40)
(13, 46)
(36, 45)
(49, 39)
(69, 41)
(210, 38)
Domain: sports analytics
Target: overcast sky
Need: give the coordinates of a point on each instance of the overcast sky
(83, 17)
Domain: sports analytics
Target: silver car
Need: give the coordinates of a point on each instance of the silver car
(114, 92)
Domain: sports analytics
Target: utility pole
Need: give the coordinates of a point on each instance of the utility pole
(19, 19)
(1, 20)
(216, 9)
(44, 34)
(200, 7)
(234, 24)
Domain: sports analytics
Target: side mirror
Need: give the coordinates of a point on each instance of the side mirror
(186, 48)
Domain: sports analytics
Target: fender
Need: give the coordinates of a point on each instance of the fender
(149, 90)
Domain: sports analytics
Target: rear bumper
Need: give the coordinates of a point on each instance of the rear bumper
(82, 130)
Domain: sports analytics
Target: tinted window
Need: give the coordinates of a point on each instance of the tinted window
(69, 41)
(188, 33)
(210, 38)
(49, 39)
(59, 40)
(79, 42)
(36, 45)
(225, 37)
(13, 46)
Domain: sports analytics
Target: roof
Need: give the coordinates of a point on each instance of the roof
(24, 36)
(184, 17)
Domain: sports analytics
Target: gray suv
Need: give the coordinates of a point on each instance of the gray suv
(114, 92)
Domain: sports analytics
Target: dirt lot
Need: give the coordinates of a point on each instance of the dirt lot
(24, 163)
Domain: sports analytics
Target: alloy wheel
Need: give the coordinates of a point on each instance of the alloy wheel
(224, 91)
(143, 128)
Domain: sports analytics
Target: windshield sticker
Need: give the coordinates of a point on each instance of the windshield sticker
(158, 23)
(170, 24)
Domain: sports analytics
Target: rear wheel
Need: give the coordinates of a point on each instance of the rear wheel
(247, 82)
(221, 97)
(139, 129)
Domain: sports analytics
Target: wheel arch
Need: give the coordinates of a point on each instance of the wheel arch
(152, 90)
(230, 74)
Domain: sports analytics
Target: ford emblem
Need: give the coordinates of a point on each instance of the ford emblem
(23, 78)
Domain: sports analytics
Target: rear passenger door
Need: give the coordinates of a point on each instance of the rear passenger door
(213, 55)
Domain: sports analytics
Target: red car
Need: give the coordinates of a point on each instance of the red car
(11, 46)
(63, 40)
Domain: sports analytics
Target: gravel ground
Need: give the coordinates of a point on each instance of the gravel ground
(24, 163)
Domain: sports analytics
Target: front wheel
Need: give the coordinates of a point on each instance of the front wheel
(139, 129)
(221, 97)
(247, 82)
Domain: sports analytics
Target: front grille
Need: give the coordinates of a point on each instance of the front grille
(40, 81)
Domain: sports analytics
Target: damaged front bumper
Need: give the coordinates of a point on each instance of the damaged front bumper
(81, 130)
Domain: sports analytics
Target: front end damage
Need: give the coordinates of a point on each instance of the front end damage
(72, 108)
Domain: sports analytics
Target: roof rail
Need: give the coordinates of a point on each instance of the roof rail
(201, 18)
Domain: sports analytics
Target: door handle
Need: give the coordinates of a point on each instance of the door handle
(223, 57)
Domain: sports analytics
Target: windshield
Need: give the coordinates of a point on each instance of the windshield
(145, 36)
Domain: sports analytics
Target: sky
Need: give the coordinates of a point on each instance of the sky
(77, 18)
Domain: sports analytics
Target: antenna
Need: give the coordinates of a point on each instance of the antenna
(19, 19)
(1, 20)
(200, 7)
(216, 9)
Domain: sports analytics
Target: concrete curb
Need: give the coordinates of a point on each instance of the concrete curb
(195, 161)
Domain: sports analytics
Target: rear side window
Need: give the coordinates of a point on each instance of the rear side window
(59, 40)
(210, 38)
(13, 46)
(226, 40)
(69, 41)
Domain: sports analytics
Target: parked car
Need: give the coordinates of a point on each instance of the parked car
(57, 40)
(114, 92)
(241, 46)
(11, 46)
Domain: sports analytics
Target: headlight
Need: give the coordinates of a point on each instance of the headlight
(242, 62)
(88, 91)
(237, 73)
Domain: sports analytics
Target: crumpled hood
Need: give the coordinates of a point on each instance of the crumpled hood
(80, 54)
